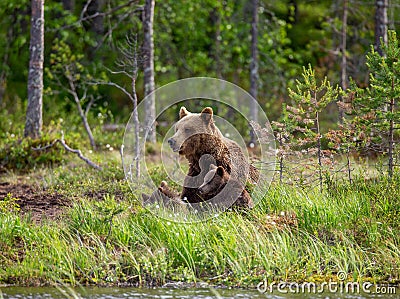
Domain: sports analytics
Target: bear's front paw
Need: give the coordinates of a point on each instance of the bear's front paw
(164, 189)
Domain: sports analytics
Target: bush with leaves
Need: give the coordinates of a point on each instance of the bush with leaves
(22, 153)
(69, 75)
(9, 204)
(19, 153)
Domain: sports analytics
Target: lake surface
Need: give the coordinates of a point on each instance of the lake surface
(167, 293)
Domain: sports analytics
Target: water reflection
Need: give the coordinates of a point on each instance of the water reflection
(164, 293)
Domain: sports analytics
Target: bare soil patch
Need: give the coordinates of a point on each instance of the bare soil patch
(33, 201)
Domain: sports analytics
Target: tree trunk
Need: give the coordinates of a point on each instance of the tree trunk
(391, 134)
(5, 64)
(281, 159)
(97, 23)
(85, 122)
(69, 5)
(348, 165)
(293, 12)
(148, 51)
(254, 68)
(215, 51)
(319, 145)
(135, 112)
(381, 22)
(33, 124)
(343, 64)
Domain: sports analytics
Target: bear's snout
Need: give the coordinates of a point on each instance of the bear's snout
(201, 189)
(171, 142)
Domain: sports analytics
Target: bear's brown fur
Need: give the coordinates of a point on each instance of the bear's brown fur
(163, 195)
(196, 136)
(216, 180)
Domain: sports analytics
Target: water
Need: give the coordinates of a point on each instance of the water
(167, 293)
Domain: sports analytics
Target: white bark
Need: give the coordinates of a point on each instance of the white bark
(33, 124)
(149, 86)
(343, 64)
(254, 68)
(381, 21)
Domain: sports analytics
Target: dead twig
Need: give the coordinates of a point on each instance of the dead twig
(69, 149)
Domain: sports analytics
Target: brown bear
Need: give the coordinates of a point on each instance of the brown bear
(163, 195)
(216, 180)
(199, 140)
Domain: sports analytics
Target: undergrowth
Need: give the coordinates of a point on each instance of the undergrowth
(292, 235)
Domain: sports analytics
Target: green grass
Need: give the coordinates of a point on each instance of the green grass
(112, 239)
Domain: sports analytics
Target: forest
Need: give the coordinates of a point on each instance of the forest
(78, 78)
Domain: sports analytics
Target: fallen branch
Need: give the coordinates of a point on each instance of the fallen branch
(75, 151)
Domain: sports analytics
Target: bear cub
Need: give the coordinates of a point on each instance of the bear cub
(216, 179)
(162, 195)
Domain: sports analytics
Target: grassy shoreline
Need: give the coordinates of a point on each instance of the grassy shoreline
(104, 237)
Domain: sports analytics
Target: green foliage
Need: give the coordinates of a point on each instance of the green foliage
(106, 237)
(290, 235)
(9, 204)
(21, 154)
(384, 86)
(284, 134)
(97, 217)
(159, 174)
(219, 45)
(310, 99)
(375, 109)
(291, 34)
(109, 208)
(67, 72)
(24, 154)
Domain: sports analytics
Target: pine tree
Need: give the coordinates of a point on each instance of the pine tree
(376, 108)
(310, 99)
(283, 133)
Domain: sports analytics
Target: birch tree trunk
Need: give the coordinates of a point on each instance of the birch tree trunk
(148, 51)
(343, 63)
(33, 124)
(254, 68)
(215, 51)
(381, 21)
(391, 134)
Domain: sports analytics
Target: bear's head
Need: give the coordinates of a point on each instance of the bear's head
(190, 125)
(215, 179)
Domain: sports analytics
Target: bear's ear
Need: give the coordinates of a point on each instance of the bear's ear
(183, 112)
(220, 171)
(164, 184)
(212, 167)
(207, 114)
